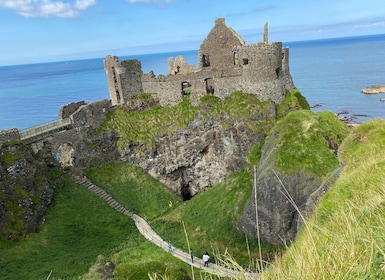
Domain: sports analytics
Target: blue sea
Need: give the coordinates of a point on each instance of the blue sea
(330, 73)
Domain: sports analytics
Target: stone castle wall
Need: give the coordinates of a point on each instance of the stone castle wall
(217, 49)
(226, 65)
(123, 78)
(67, 110)
(9, 135)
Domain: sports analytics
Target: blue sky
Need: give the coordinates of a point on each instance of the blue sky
(48, 30)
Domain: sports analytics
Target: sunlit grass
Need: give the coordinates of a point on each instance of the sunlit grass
(345, 239)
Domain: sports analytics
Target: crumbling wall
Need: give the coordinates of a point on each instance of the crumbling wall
(179, 66)
(123, 78)
(216, 51)
(91, 114)
(67, 110)
(226, 64)
(9, 135)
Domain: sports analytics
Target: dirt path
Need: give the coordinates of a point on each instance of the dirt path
(146, 230)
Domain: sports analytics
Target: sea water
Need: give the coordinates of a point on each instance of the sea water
(329, 73)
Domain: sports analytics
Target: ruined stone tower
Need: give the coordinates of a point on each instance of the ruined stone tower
(123, 78)
(225, 64)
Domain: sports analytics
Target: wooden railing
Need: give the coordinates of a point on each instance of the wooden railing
(41, 131)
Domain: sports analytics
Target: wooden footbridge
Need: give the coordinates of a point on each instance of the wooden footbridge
(41, 131)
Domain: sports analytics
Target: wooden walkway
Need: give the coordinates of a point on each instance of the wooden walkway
(146, 230)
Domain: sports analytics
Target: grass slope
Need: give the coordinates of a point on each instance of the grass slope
(209, 218)
(344, 239)
(78, 227)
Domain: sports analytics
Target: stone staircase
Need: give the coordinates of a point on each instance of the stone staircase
(103, 195)
(146, 230)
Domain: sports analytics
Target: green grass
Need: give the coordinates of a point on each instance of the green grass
(78, 227)
(141, 127)
(344, 239)
(135, 190)
(81, 230)
(210, 226)
(305, 141)
(210, 220)
(293, 101)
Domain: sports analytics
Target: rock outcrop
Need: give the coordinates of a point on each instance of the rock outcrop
(197, 157)
(375, 89)
(294, 160)
(25, 189)
(277, 196)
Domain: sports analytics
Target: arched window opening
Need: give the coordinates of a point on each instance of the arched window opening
(209, 82)
(186, 88)
(205, 60)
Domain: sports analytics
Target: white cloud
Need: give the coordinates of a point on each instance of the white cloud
(155, 2)
(371, 25)
(46, 8)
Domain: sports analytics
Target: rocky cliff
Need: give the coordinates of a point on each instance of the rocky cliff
(298, 155)
(27, 182)
(190, 149)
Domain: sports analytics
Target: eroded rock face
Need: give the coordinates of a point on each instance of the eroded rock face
(279, 198)
(25, 190)
(197, 157)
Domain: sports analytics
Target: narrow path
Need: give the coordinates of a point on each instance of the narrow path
(146, 230)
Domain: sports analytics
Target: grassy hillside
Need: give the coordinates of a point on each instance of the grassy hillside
(78, 227)
(210, 225)
(345, 238)
(81, 231)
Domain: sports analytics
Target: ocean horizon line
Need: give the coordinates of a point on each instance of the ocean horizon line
(132, 56)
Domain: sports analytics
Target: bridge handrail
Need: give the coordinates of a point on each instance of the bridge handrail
(44, 127)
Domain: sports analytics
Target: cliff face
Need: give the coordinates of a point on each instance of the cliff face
(26, 189)
(190, 149)
(197, 157)
(297, 157)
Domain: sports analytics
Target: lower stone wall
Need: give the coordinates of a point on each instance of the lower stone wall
(91, 114)
(67, 110)
(221, 84)
(9, 135)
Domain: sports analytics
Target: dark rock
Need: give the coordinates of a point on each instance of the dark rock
(25, 190)
(280, 198)
(194, 159)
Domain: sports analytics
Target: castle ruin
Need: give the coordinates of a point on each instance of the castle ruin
(226, 64)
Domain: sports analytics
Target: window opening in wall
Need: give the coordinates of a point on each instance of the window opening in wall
(277, 70)
(186, 88)
(245, 61)
(117, 93)
(205, 60)
(283, 55)
(209, 85)
(235, 57)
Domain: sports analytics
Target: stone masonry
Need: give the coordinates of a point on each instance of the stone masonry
(226, 64)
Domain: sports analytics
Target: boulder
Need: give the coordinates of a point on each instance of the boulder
(375, 89)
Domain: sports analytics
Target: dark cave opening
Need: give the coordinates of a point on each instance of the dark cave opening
(185, 191)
